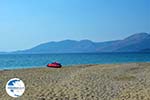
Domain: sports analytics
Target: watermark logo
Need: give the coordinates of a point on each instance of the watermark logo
(15, 87)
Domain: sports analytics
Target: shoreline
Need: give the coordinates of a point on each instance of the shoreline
(129, 81)
(73, 65)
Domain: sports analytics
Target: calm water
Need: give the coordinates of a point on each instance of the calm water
(14, 61)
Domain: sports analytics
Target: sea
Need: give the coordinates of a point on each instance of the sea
(21, 61)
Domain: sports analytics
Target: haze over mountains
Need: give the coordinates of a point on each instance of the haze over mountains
(134, 43)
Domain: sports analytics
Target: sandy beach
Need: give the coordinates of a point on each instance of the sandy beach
(82, 82)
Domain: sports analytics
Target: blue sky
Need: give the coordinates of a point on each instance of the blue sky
(26, 23)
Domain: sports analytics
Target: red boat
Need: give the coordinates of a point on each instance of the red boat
(54, 65)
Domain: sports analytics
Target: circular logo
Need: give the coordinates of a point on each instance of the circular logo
(15, 87)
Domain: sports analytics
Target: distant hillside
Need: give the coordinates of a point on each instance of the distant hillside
(4, 52)
(133, 43)
(145, 50)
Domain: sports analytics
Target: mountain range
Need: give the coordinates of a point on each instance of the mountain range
(139, 42)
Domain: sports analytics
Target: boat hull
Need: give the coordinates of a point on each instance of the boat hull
(54, 66)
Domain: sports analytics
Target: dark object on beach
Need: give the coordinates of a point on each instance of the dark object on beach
(54, 65)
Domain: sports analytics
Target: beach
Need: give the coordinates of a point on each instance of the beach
(130, 81)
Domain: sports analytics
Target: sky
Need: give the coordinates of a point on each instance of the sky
(27, 23)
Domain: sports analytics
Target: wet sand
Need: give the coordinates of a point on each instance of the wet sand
(82, 82)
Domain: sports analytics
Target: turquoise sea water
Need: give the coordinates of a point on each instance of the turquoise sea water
(15, 61)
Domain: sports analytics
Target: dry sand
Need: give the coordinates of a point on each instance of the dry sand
(83, 82)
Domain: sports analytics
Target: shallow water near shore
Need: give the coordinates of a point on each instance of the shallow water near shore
(17, 61)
